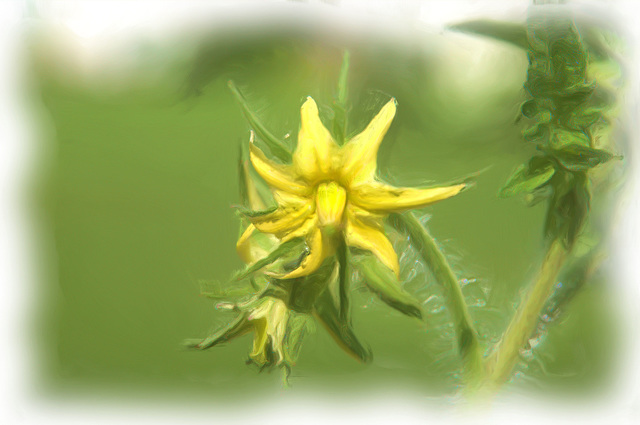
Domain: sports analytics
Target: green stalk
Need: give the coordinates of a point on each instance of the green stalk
(278, 148)
(340, 102)
(501, 363)
(343, 279)
(468, 343)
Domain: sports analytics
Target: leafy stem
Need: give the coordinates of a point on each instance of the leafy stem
(503, 360)
(468, 343)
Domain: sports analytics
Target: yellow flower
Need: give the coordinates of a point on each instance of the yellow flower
(269, 320)
(332, 190)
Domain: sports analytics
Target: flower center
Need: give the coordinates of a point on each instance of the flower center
(331, 199)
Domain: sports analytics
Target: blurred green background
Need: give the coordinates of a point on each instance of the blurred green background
(139, 188)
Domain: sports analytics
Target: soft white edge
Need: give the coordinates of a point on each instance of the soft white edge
(20, 405)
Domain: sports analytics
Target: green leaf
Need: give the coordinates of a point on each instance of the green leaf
(328, 315)
(533, 109)
(236, 328)
(515, 34)
(248, 213)
(527, 178)
(584, 118)
(538, 133)
(561, 138)
(277, 147)
(568, 208)
(280, 251)
(304, 291)
(382, 281)
(580, 157)
(298, 326)
(217, 291)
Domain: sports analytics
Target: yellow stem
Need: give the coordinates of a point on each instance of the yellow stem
(501, 363)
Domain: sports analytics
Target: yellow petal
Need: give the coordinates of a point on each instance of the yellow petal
(319, 249)
(330, 202)
(316, 149)
(278, 176)
(372, 239)
(259, 352)
(243, 246)
(378, 197)
(283, 220)
(255, 200)
(305, 229)
(289, 199)
(360, 154)
(249, 249)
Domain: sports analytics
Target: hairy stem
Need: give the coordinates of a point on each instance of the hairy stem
(468, 343)
(501, 363)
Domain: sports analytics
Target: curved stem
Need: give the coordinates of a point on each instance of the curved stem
(501, 363)
(468, 342)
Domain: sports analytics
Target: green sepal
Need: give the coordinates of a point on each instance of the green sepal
(298, 326)
(383, 282)
(537, 133)
(281, 251)
(326, 312)
(512, 33)
(534, 109)
(528, 177)
(584, 118)
(249, 181)
(561, 138)
(277, 148)
(581, 158)
(304, 291)
(568, 208)
(236, 328)
(216, 290)
(248, 213)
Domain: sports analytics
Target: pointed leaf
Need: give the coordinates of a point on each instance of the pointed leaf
(234, 329)
(217, 291)
(277, 147)
(298, 326)
(280, 251)
(515, 34)
(528, 177)
(581, 158)
(537, 133)
(382, 281)
(248, 213)
(568, 208)
(328, 315)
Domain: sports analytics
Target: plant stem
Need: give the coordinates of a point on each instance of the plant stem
(340, 102)
(468, 343)
(278, 148)
(501, 363)
(343, 279)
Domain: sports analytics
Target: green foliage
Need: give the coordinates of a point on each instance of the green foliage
(529, 177)
(561, 110)
(508, 32)
(277, 148)
(284, 250)
(383, 282)
(328, 315)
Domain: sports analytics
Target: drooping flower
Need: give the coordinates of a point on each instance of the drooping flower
(331, 191)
